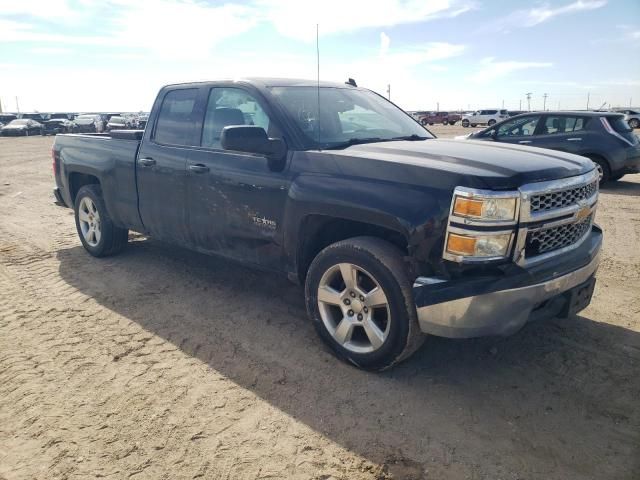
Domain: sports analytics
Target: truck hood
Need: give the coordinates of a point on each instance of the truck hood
(471, 163)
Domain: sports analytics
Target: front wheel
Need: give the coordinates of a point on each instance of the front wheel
(99, 236)
(465, 123)
(491, 123)
(359, 297)
(604, 172)
(634, 123)
(474, 125)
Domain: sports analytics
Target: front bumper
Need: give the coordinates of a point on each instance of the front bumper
(501, 305)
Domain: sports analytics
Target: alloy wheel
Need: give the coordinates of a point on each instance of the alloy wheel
(89, 221)
(354, 308)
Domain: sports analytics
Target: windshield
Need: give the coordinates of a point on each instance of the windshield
(347, 116)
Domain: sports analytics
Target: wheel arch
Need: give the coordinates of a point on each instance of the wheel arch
(318, 231)
(77, 180)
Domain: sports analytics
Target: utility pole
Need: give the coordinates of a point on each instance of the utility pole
(520, 107)
(558, 105)
(588, 98)
(17, 105)
(437, 106)
(529, 101)
(630, 98)
(544, 104)
(0, 105)
(503, 104)
(389, 91)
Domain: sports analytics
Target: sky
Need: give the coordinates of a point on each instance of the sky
(110, 55)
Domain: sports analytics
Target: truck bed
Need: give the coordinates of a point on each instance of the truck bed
(111, 159)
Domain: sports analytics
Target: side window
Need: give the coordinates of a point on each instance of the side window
(232, 106)
(490, 112)
(176, 124)
(563, 125)
(518, 127)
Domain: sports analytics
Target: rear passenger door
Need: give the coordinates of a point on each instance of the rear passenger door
(161, 165)
(562, 132)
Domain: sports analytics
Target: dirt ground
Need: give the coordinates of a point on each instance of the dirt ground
(165, 364)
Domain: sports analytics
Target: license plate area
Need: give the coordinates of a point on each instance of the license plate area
(579, 297)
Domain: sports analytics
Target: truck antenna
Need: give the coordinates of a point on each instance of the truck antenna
(318, 83)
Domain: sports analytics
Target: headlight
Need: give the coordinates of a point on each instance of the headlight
(485, 208)
(480, 246)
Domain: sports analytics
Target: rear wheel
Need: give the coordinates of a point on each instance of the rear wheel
(474, 125)
(465, 123)
(423, 122)
(359, 298)
(491, 122)
(99, 236)
(634, 123)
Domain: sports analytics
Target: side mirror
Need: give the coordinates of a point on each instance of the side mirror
(252, 139)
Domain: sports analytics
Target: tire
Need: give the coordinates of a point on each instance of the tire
(445, 122)
(465, 123)
(474, 125)
(109, 239)
(451, 122)
(491, 122)
(617, 177)
(379, 267)
(603, 168)
(634, 123)
(423, 122)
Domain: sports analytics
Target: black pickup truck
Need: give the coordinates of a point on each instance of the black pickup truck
(393, 233)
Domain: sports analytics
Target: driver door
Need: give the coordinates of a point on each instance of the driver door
(518, 130)
(235, 201)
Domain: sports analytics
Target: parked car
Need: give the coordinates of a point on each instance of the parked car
(445, 118)
(631, 116)
(118, 123)
(484, 117)
(21, 126)
(391, 231)
(88, 123)
(38, 117)
(603, 137)
(7, 117)
(142, 121)
(58, 125)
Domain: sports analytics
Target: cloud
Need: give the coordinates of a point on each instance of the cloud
(492, 69)
(385, 41)
(540, 14)
(297, 19)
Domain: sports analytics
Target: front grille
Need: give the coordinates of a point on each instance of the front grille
(564, 198)
(554, 238)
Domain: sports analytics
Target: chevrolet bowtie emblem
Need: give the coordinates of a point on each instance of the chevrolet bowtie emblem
(584, 212)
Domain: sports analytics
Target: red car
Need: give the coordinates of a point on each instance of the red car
(445, 118)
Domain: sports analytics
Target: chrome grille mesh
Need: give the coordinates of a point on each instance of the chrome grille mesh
(564, 198)
(554, 238)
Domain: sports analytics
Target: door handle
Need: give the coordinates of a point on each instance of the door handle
(147, 162)
(524, 141)
(574, 139)
(198, 168)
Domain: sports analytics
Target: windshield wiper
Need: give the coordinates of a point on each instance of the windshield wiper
(357, 141)
(410, 137)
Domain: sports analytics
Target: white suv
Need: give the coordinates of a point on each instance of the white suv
(631, 116)
(484, 117)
